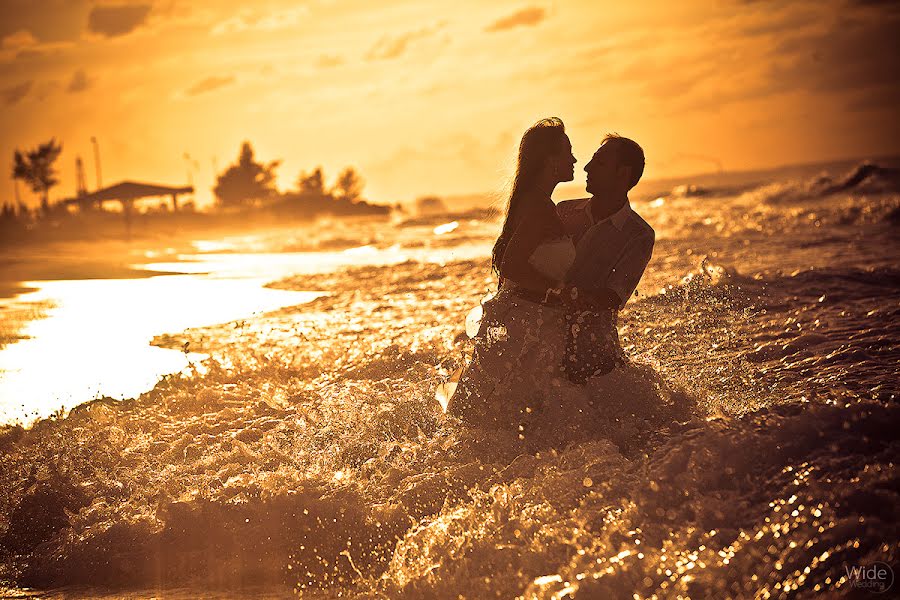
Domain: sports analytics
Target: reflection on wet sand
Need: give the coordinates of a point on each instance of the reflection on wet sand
(94, 339)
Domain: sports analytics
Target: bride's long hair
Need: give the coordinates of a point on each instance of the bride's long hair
(541, 141)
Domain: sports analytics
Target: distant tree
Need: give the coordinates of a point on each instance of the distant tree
(429, 205)
(246, 181)
(35, 168)
(349, 185)
(311, 185)
(311, 198)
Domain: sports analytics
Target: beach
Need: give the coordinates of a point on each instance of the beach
(750, 449)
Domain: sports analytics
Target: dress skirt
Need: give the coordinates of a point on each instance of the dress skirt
(518, 358)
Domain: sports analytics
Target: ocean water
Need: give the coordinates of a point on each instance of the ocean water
(96, 333)
(750, 450)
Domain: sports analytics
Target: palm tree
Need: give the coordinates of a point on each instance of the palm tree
(35, 168)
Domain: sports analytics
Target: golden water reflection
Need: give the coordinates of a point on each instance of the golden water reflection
(275, 265)
(95, 341)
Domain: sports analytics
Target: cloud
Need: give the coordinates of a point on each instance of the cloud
(843, 54)
(527, 17)
(45, 90)
(882, 98)
(31, 54)
(117, 20)
(389, 47)
(14, 94)
(249, 20)
(209, 84)
(876, 3)
(47, 20)
(856, 53)
(773, 21)
(20, 39)
(79, 82)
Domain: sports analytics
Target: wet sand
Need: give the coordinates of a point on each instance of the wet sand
(55, 262)
(74, 260)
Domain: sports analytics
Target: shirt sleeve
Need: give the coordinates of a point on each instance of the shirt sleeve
(628, 269)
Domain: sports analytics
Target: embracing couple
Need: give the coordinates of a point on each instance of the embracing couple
(564, 273)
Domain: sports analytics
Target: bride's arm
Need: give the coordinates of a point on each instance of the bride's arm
(518, 262)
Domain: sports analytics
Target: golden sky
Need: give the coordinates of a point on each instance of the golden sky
(431, 97)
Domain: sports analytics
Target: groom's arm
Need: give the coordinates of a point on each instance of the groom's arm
(595, 299)
(629, 268)
(588, 352)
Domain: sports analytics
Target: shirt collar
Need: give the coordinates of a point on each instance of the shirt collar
(618, 218)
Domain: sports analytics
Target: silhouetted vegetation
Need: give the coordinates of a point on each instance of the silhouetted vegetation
(246, 182)
(245, 191)
(249, 183)
(35, 168)
(429, 205)
(312, 184)
(14, 219)
(312, 197)
(349, 185)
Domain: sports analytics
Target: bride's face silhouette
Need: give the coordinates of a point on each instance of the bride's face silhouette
(562, 163)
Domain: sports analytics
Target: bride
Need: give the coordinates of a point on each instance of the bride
(520, 337)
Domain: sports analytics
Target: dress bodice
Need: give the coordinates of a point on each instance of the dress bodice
(554, 258)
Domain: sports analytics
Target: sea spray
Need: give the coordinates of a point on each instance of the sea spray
(750, 449)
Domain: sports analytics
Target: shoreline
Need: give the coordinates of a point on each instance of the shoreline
(82, 290)
(69, 260)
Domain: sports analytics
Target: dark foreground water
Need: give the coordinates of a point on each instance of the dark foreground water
(750, 451)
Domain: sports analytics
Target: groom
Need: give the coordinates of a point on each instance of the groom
(613, 246)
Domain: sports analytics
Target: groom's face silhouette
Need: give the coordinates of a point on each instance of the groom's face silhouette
(605, 176)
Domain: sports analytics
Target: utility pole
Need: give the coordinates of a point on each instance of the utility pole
(190, 176)
(80, 184)
(97, 161)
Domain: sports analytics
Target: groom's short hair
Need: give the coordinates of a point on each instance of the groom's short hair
(628, 153)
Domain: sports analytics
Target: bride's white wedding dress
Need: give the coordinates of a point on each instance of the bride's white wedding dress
(519, 348)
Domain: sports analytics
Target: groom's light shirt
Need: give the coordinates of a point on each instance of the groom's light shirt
(609, 254)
